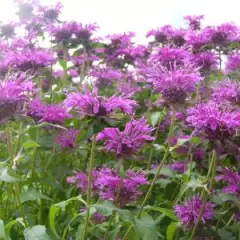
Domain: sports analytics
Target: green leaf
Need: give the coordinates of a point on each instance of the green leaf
(32, 195)
(46, 141)
(6, 175)
(80, 232)
(36, 233)
(63, 64)
(223, 234)
(146, 227)
(2, 230)
(195, 140)
(30, 144)
(11, 224)
(166, 212)
(154, 118)
(54, 209)
(106, 208)
(125, 215)
(171, 230)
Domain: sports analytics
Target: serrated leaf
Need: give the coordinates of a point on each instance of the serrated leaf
(32, 195)
(36, 233)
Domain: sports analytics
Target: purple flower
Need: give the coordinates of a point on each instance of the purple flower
(105, 75)
(7, 30)
(232, 179)
(53, 113)
(207, 61)
(228, 90)
(161, 34)
(194, 21)
(233, 62)
(168, 56)
(189, 211)
(177, 166)
(177, 37)
(196, 40)
(176, 84)
(90, 104)
(222, 34)
(14, 91)
(50, 13)
(108, 182)
(81, 180)
(213, 121)
(32, 60)
(74, 32)
(66, 139)
(130, 140)
(198, 155)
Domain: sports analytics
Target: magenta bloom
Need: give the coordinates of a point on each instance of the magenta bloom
(50, 13)
(213, 121)
(189, 211)
(53, 113)
(168, 56)
(30, 60)
(232, 179)
(90, 104)
(130, 140)
(207, 61)
(222, 34)
(14, 91)
(72, 31)
(228, 90)
(176, 84)
(108, 181)
(177, 167)
(161, 34)
(66, 139)
(105, 75)
(233, 62)
(81, 180)
(196, 40)
(194, 22)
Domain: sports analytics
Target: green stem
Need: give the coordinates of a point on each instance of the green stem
(205, 197)
(156, 175)
(156, 136)
(89, 191)
(20, 204)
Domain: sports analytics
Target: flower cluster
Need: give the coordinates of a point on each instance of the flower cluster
(189, 211)
(91, 104)
(130, 140)
(109, 185)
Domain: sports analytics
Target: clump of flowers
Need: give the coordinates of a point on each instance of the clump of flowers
(189, 211)
(53, 113)
(91, 104)
(109, 185)
(213, 121)
(228, 90)
(67, 138)
(14, 91)
(232, 179)
(175, 85)
(130, 140)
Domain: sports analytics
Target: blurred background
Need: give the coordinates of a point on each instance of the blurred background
(115, 16)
